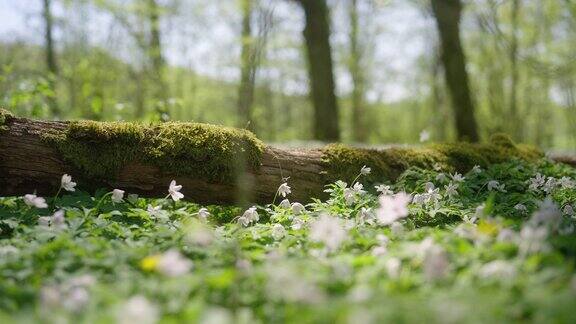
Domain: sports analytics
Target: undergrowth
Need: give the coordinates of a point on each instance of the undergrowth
(494, 243)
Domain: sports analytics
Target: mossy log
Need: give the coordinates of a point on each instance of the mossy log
(206, 160)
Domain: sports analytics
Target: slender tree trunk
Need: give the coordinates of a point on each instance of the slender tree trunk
(139, 95)
(157, 60)
(514, 71)
(287, 117)
(438, 99)
(448, 15)
(359, 129)
(72, 88)
(270, 111)
(247, 69)
(50, 56)
(320, 70)
(98, 103)
(191, 97)
(493, 72)
(494, 84)
(569, 89)
(539, 91)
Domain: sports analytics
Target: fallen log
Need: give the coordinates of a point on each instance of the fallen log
(215, 165)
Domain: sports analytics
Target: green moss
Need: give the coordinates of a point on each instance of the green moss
(343, 162)
(203, 151)
(503, 140)
(5, 118)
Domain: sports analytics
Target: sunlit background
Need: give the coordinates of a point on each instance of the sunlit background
(104, 66)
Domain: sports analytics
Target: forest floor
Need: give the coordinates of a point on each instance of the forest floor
(495, 244)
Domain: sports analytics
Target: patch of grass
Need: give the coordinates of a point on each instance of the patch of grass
(330, 261)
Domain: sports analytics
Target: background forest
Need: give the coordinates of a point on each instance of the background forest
(244, 63)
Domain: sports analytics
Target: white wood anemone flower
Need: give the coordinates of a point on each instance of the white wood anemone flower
(174, 191)
(67, 184)
(118, 196)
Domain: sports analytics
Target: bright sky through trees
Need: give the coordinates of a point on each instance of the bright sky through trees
(404, 40)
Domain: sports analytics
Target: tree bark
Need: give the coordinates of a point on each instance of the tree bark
(440, 111)
(355, 66)
(50, 53)
(157, 59)
(514, 71)
(448, 15)
(492, 72)
(247, 69)
(320, 70)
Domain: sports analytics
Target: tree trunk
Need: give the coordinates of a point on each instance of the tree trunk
(157, 60)
(492, 74)
(440, 111)
(569, 90)
(448, 15)
(270, 113)
(247, 69)
(320, 71)
(29, 163)
(359, 128)
(139, 95)
(514, 71)
(50, 53)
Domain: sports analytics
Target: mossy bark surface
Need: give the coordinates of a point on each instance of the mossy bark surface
(5, 117)
(203, 151)
(203, 158)
(344, 162)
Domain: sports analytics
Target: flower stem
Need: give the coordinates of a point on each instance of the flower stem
(56, 197)
(101, 200)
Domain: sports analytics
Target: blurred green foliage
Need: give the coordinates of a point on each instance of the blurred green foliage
(99, 83)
